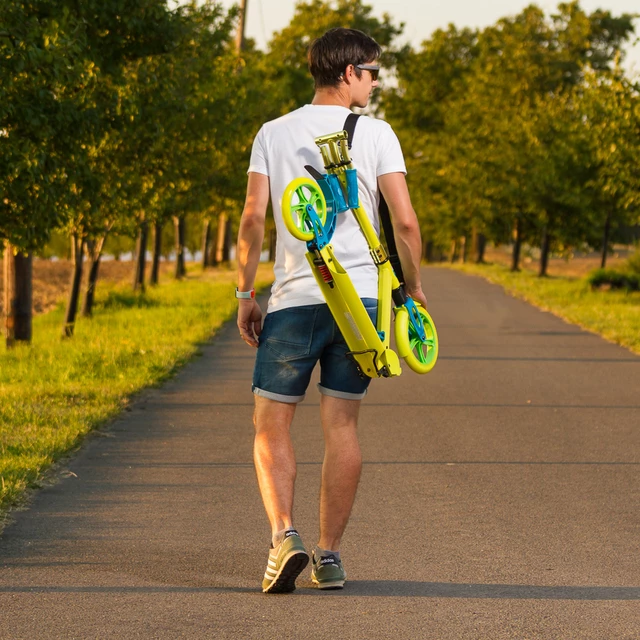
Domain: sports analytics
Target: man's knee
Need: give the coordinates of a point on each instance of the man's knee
(339, 411)
(272, 416)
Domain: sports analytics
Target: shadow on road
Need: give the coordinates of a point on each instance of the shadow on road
(380, 588)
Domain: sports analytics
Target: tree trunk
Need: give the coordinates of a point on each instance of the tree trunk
(141, 257)
(517, 245)
(157, 250)
(454, 251)
(272, 245)
(545, 245)
(94, 250)
(226, 246)
(206, 241)
(481, 245)
(179, 225)
(77, 253)
(605, 241)
(463, 249)
(213, 249)
(211, 258)
(18, 295)
(427, 250)
(223, 240)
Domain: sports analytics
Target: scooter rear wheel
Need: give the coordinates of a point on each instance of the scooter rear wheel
(420, 355)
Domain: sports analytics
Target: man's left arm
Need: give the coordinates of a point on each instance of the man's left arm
(250, 238)
(406, 231)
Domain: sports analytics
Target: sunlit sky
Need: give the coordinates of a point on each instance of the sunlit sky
(422, 17)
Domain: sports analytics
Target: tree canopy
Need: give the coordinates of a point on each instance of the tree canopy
(499, 134)
(113, 113)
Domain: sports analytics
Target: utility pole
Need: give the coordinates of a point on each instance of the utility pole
(240, 41)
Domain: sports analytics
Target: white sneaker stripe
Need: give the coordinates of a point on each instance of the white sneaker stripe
(271, 571)
(272, 563)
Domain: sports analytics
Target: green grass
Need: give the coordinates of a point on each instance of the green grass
(615, 315)
(55, 391)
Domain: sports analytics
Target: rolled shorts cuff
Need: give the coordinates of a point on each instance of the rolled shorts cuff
(278, 397)
(344, 395)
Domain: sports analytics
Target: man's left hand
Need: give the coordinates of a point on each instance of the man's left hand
(418, 295)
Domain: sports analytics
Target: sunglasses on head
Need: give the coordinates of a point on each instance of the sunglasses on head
(373, 69)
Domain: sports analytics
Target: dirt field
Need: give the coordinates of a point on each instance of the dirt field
(576, 267)
(51, 280)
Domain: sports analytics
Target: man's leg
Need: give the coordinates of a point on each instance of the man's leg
(276, 469)
(340, 469)
(275, 459)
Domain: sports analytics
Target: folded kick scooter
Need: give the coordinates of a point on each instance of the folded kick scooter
(310, 209)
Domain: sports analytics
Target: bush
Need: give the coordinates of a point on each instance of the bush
(615, 279)
(633, 263)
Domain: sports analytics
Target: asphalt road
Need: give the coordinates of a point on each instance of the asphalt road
(500, 498)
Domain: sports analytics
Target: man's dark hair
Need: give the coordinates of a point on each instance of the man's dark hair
(332, 53)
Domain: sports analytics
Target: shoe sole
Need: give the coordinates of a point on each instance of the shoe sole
(285, 579)
(335, 584)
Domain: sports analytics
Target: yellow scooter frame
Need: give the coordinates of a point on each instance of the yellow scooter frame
(308, 218)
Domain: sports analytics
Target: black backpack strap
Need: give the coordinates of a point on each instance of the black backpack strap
(350, 126)
(385, 219)
(383, 207)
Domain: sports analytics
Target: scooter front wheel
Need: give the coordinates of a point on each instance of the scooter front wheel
(420, 355)
(299, 194)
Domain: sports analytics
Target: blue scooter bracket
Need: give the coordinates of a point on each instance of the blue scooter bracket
(336, 203)
(322, 233)
(416, 319)
(336, 192)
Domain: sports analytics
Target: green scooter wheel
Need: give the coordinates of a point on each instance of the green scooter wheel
(420, 355)
(300, 193)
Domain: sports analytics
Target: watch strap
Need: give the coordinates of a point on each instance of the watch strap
(245, 295)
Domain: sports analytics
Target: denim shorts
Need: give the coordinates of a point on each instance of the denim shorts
(292, 341)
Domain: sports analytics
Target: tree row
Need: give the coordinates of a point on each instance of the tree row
(117, 118)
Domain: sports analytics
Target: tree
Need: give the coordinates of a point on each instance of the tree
(117, 34)
(196, 104)
(429, 79)
(286, 60)
(490, 128)
(43, 82)
(561, 169)
(610, 110)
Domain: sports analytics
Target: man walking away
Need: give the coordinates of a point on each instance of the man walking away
(299, 331)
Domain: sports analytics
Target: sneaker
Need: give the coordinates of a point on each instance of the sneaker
(328, 572)
(286, 562)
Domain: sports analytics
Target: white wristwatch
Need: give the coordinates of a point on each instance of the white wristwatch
(245, 295)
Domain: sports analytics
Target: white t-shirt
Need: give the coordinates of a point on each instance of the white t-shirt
(281, 150)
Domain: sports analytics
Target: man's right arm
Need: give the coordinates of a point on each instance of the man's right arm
(406, 230)
(250, 237)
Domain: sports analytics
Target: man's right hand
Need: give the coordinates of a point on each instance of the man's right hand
(249, 321)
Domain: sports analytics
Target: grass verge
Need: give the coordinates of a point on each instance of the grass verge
(615, 315)
(55, 391)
